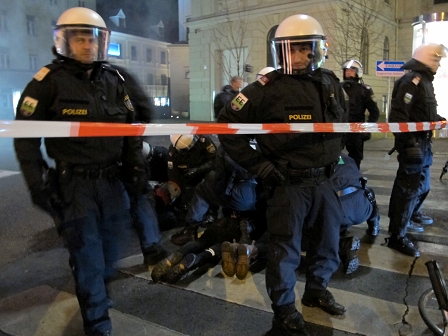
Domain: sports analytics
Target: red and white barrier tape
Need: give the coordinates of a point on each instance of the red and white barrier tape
(59, 129)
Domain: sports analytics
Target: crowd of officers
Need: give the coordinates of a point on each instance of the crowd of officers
(266, 197)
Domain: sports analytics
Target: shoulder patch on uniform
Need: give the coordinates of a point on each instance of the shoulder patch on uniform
(238, 102)
(416, 80)
(41, 74)
(367, 86)
(263, 80)
(128, 104)
(407, 98)
(211, 148)
(28, 106)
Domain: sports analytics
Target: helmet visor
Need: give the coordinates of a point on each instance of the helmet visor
(296, 56)
(85, 44)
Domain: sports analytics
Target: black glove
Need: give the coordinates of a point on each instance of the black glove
(138, 183)
(190, 173)
(41, 197)
(414, 155)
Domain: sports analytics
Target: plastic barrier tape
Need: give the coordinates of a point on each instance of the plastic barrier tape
(58, 129)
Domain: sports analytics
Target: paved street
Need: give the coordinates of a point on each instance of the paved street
(37, 291)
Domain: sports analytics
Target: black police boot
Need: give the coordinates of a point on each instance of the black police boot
(348, 247)
(175, 273)
(245, 254)
(154, 254)
(189, 233)
(403, 245)
(159, 270)
(229, 254)
(324, 301)
(373, 223)
(420, 218)
(289, 325)
(415, 227)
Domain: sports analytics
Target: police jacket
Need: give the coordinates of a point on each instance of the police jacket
(200, 157)
(63, 91)
(413, 100)
(144, 109)
(346, 174)
(228, 173)
(222, 98)
(279, 98)
(361, 98)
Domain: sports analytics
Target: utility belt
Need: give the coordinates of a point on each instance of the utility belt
(296, 176)
(67, 171)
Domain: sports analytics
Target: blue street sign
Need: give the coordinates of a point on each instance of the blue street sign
(389, 68)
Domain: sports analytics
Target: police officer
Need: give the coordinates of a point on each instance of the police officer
(359, 205)
(361, 97)
(86, 198)
(296, 165)
(142, 211)
(413, 100)
(191, 158)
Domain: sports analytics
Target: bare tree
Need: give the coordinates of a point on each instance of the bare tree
(354, 29)
(229, 38)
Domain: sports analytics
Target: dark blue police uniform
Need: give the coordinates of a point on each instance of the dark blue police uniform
(91, 205)
(413, 100)
(361, 98)
(306, 160)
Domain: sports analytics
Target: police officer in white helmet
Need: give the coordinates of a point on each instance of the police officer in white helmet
(84, 196)
(295, 168)
(413, 100)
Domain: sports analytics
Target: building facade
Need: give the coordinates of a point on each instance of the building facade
(388, 36)
(26, 30)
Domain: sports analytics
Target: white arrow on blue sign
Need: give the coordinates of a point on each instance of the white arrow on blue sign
(389, 68)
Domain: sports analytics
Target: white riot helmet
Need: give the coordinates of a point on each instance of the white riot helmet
(264, 71)
(430, 55)
(298, 29)
(147, 150)
(183, 141)
(354, 65)
(80, 20)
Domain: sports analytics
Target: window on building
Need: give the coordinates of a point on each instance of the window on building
(5, 100)
(386, 48)
(163, 57)
(114, 50)
(3, 21)
(133, 53)
(149, 55)
(31, 25)
(122, 22)
(33, 62)
(436, 2)
(163, 80)
(365, 51)
(150, 79)
(81, 3)
(4, 60)
(269, 37)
